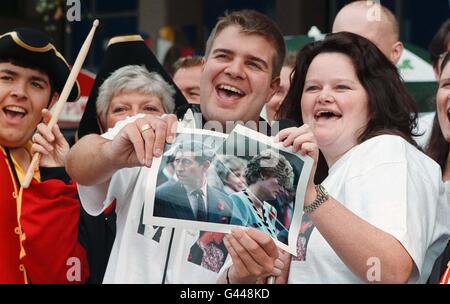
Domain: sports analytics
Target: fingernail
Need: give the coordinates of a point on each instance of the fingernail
(149, 163)
(170, 139)
(276, 272)
(157, 152)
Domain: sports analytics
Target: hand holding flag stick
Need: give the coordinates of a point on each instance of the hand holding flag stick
(63, 98)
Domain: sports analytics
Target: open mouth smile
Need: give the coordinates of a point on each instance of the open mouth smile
(229, 92)
(14, 113)
(327, 115)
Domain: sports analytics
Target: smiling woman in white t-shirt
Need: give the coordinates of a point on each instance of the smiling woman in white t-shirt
(438, 149)
(381, 214)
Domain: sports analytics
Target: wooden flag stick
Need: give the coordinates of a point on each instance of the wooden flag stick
(63, 98)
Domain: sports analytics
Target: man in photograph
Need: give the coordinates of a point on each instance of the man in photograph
(191, 198)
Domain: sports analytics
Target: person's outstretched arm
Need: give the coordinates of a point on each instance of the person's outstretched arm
(94, 159)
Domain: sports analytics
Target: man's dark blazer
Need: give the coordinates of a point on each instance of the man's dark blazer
(172, 201)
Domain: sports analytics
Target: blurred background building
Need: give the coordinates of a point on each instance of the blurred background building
(174, 28)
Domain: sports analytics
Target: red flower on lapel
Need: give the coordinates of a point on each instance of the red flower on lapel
(221, 205)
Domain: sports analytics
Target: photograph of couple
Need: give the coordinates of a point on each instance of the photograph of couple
(210, 182)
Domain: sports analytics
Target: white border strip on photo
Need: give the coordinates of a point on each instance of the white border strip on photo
(294, 228)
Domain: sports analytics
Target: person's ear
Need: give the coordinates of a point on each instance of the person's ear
(53, 100)
(396, 52)
(274, 87)
(206, 165)
(262, 176)
(101, 123)
(436, 72)
(203, 63)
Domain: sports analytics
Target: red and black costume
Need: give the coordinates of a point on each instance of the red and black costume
(39, 227)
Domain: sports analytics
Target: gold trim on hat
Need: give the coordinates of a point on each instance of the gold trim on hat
(58, 54)
(43, 49)
(30, 48)
(78, 91)
(128, 38)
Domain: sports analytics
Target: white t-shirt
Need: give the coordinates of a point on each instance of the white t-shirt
(447, 189)
(393, 186)
(140, 253)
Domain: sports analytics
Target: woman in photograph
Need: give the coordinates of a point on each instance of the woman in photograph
(231, 171)
(438, 149)
(266, 174)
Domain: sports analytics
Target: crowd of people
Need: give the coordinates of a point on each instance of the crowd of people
(379, 189)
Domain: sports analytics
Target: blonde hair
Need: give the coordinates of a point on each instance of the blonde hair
(134, 78)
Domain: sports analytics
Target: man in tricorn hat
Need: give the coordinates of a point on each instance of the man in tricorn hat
(39, 225)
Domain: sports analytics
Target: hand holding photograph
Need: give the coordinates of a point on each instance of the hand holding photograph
(214, 182)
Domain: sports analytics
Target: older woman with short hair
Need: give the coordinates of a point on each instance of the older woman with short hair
(130, 90)
(127, 91)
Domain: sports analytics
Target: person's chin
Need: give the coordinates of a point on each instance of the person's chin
(13, 140)
(213, 113)
(324, 136)
(183, 180)
(444, 122)
(447, 135)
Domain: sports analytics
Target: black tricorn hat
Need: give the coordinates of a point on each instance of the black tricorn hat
(122, 51)
(34, 47)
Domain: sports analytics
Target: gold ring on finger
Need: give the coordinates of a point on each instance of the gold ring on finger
(146, 127)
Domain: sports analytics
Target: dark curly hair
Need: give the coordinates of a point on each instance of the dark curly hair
(391, 109)
(268, 164)
(438, 147)
(439, 43)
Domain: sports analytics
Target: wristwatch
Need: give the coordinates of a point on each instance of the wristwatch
(322, 196)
